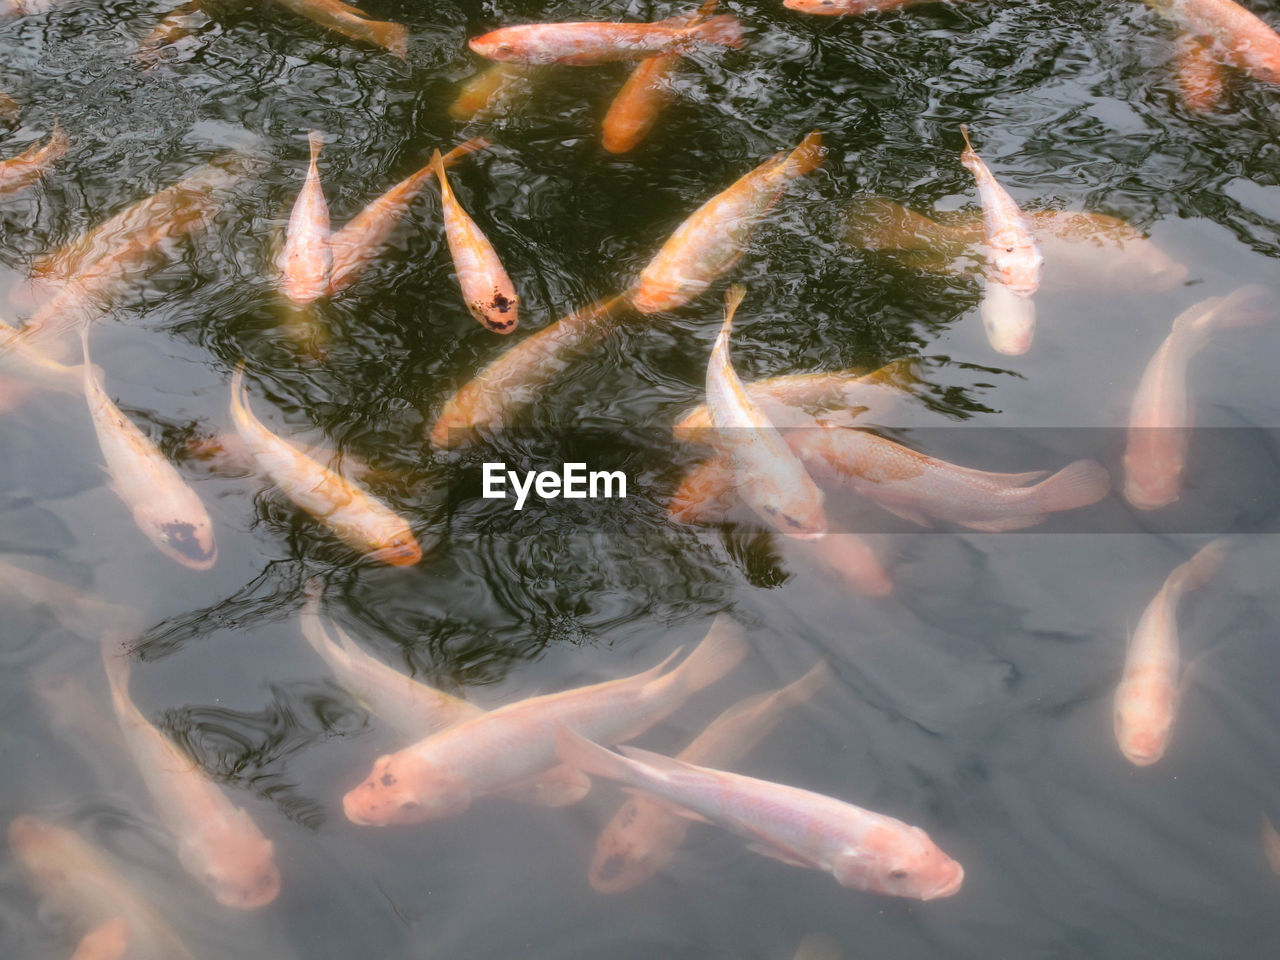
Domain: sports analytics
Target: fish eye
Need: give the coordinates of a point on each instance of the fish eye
(771, 511)
(898, 874)
(1008, 249)
(407, 805)
(505, 48)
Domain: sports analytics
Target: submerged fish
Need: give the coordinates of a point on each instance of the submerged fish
(178, 23)
(768, 476)
(10, 109)
(645, 834)
(218, 842)
(413, 709)
(1107, 253)
(712, 240)
(358, 518)
(863, 850)
(586, 44)
(26, 168)
(163, 505)
(354, 23)
(514, 746)
(32, 363)
(517, 376)
(1200, 78)
(635, 109)
(1160, 416)
(1235, 35)
(362, 240)
(916, 487)
(486, 288)
(858, 394)
(848, 8)
(1147, 699)
(492, 90)
(307, 258)
(77, 610)
(79, 883)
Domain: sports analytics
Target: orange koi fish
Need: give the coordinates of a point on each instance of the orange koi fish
(10, 109)
(516, 377)
(181, 22)
(99, 902)
(1235, 35)
(915, 486)
(307, 257)
(414, 710)
(1160, 416)
(586, 44)
(1109, 253)
(1201, 80)
(358, 518)
(218, 843)
(486, 288)
(768, 476)
(712, 240)
(847, 8)
(866, 395)
(645, 834)
(492, 91)
(1147, 698)
(635, 109)
(362, 240)
(164, 507)
(515, 745)
(862, 850)
(26, 168)
(354, 23)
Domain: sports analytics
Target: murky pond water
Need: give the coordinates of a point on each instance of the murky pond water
(974, 700)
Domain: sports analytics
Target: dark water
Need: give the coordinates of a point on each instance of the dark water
(975, 701)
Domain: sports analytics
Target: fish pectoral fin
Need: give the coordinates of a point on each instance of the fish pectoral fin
(1005, 524)
(779, 853)
(561, 786)
(670, 806)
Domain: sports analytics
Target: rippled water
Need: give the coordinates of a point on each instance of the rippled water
(974, 701)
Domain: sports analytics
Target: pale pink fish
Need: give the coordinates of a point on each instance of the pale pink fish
(163, 505)
(851, 558)
(31, 362)
(487, 290)
(1008, 319)
(359, 519)
(99, 903)
(110, 941)
(916, 487)
(76, 609)
(307, 257)
(1146, 701)
(513, 747)
(218, 842)
(1160, 417)
(863, 850)
(586, 44)
(645, 834)
(412, 709)
(769, 478)
(1013, 255)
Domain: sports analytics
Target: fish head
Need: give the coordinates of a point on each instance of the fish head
(400, 549)
(234, 860)
(498, 313)
(797, 513)
(1008, 318)
(828, 8)
(1153, 463)
(1143, 725)
(404, 788)
(1017, 266)
(187, 539)
(900, 861)
(635, 845)
(496, 45)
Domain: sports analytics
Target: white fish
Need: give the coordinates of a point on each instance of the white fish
(769, 477)
(307, 257)
(163, 505)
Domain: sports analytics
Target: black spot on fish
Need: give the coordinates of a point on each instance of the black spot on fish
(612, 867)
(388, 780)
(182, 537)
(501, 303)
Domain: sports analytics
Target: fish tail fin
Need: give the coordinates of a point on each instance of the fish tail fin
(311, 622)
(969, 153)
(1075, 485)
(722, 649)
(59, 142)
(705, 11)
(725, 30)
(466, 147)
(115, 661)
(874, 223)
(733, 298)
(578, 752)
(239, 396)
(802, 690)
(807, 156)
(392, 37)
(1197, 571)
(437, 164)
(315, 140)
(901, 374)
